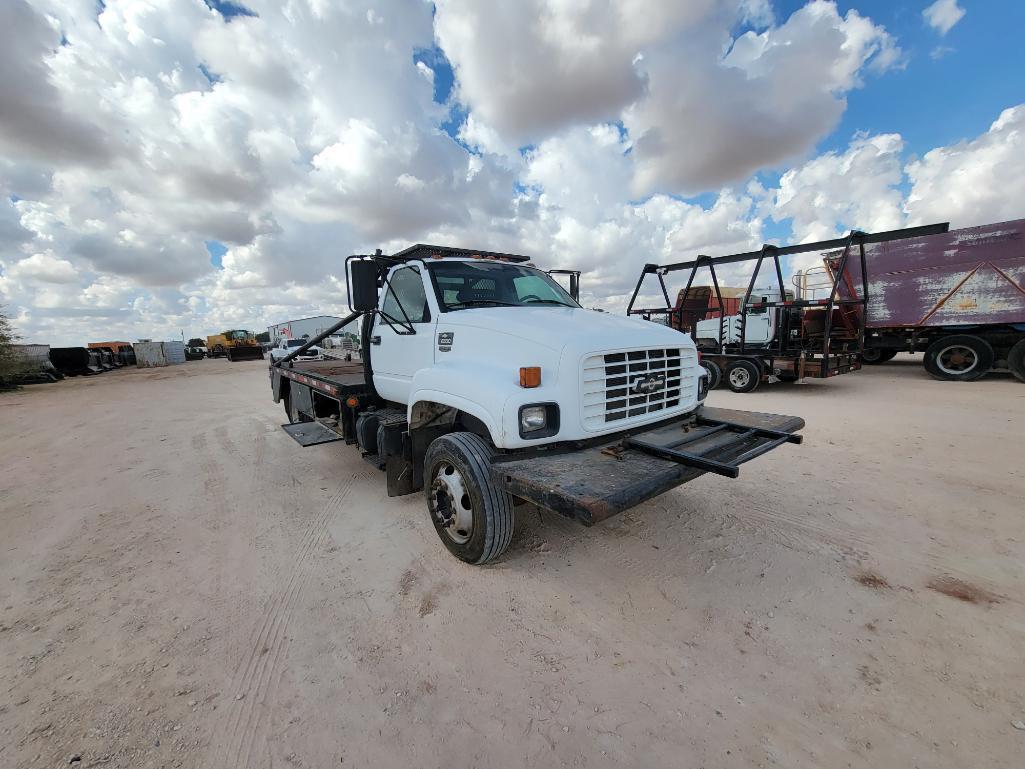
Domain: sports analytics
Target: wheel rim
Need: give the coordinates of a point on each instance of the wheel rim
(739, 377)
(450, 504)
(957, 359)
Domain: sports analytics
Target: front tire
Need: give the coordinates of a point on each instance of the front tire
(742, 376)
(959, 358)
(471, 513)
(714, 373)
(1016, 360)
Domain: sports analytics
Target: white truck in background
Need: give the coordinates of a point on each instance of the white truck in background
(286, 346)
(484, 384)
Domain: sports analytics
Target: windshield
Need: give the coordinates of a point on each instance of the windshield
(296, 342)
(462, 285)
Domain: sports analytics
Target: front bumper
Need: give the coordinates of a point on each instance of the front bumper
(593, 483)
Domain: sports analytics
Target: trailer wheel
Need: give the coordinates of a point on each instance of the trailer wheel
(873, 356)
(714, 373)
(742, 376)
(959, 358)
(471, 513)
(1016, 360)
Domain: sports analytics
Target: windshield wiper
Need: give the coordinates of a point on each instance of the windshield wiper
(547, 301)
(476, 302)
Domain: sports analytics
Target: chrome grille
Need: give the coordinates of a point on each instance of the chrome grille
(611, 386)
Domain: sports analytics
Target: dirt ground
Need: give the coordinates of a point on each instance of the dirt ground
(182, 586)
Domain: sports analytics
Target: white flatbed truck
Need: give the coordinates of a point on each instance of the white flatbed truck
(483, 383)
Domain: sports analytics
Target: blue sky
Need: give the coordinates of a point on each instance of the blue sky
(934, 102)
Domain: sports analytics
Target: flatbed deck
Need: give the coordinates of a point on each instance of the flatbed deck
(334, 377)
(596, 483)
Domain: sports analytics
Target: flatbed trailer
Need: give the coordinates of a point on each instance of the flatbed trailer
(812, 338)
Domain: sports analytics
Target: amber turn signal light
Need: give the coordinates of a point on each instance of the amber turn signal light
(530, 376)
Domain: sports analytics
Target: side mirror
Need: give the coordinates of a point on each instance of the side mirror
(363, 285)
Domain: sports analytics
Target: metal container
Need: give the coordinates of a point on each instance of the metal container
(967, 277)
(174, 352)
(36, 356)
(37, 366)
(154, 354)
(114, 346)
(75, 360)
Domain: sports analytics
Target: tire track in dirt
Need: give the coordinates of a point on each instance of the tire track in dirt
(800, 532)
(231, 606)
(258, 673)
(229, 447)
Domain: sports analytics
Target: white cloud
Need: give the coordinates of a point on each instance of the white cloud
(531, 68)
(943, 15)
(45, 268)
(133, 133)
(836, 192)
(767, 101)
(702, 109)
(872, 185)
(975, 181)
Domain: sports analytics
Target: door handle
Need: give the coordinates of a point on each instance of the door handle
(375, 340)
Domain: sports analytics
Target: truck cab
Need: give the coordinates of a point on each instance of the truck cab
(759, 322)
(504, 343)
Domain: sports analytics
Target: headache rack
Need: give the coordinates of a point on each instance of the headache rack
(427, 251)
(788, 341)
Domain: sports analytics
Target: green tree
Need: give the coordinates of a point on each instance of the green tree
(11, 364)
(196, 342)
(263, 337)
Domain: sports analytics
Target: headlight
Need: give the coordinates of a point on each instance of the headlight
(533, 418)
(539, 420)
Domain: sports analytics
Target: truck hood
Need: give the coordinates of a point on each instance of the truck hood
(559, 327)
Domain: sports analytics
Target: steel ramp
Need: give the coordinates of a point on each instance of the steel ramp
(311, 433)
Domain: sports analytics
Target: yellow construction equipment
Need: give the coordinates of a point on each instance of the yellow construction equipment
(235, 344)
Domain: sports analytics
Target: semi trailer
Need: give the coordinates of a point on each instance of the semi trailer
(956, 295)
(483, 385)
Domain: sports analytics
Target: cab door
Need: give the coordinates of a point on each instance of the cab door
(402, 338)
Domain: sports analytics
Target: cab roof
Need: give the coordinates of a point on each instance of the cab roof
(427, 251)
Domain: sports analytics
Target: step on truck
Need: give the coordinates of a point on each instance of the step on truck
(764, 333)
(958, 296)
(483, 384)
